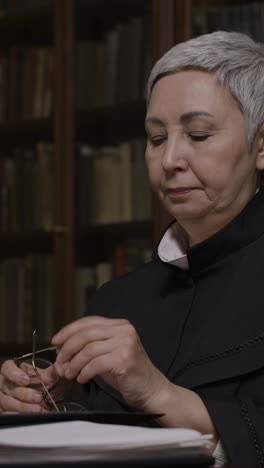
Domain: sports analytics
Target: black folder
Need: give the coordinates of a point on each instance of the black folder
(23, 419)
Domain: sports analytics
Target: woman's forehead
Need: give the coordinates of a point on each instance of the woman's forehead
(190, 94)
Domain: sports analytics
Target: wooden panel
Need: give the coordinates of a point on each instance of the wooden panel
(64, 160)
(25, 133)
(33, 27)
(106, 125)
(14, 244)
(171, 24)
(98, 242)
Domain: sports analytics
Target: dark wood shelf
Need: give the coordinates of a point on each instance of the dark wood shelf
(115, 9)
(99, 16)
(27, 27)
(117, 231)
(109, 125)
(97, 126)
(96, 243)
(19, 243)
(25, 133)
(35, 26)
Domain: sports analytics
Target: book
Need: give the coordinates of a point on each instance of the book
(130, 255)
(44, 197)
(42, 316)
(85, 286)
(111, 57)
(107, 186)
(39, 67)
(26, 298)
(12, 292)
(103, 273)
(48, 84)
(3, 86)
(29, 190)
(84, 184)
(100, 85)
(141, 192)
(8, 211)
(126, 182)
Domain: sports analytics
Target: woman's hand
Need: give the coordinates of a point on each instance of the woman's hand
(16, 394)
(110, 348)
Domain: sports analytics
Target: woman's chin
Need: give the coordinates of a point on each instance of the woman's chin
(186, 212)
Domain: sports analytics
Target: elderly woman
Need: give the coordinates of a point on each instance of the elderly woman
(184, 334)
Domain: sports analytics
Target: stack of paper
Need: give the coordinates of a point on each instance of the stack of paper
(86, 436)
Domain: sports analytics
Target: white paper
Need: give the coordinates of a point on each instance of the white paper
(93, 436)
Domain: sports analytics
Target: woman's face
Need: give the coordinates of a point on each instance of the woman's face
(197, 150)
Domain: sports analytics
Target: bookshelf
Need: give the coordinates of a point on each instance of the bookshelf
(67, 133)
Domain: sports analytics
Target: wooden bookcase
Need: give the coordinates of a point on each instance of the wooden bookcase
(61, 26)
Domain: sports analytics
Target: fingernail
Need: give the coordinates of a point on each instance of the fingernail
(56, 338)
(24, 379)
(59, 369)
(68, 372)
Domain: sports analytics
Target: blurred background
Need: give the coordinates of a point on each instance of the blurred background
(75, 205)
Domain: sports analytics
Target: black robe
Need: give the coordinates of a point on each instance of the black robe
(203, 328)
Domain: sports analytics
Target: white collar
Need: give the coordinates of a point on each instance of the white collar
(173, 246)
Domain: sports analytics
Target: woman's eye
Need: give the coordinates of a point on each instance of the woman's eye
(157, 141)
(196, 137)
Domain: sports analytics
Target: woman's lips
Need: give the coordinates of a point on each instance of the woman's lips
(178, 191)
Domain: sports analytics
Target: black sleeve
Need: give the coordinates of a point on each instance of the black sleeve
(239, 419)
(95, 397)
(105, 299)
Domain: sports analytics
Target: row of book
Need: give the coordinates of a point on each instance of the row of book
(26, 298)
(29, 72)
(22, 4)
(109, 71)
(27, 290)
(111, 187)
(26, 189)
(115, 69)
(112, 184)
(126, 258)
(247, 17)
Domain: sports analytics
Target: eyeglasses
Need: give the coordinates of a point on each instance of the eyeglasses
(34, 366)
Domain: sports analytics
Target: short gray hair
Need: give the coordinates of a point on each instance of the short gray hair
(237, 61)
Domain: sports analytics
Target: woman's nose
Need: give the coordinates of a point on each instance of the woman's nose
(175, 157)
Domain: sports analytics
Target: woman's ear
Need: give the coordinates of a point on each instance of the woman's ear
(260, 149)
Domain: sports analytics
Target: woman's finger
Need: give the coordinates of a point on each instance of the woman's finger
(100, 365)
(8, 403)
(66, 332)
(81, 339)
(87, 354)
(23, 394)
(10, 371)
(72, 328)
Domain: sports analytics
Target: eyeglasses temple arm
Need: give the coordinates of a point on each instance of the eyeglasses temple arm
(49, 348)
(38, 374)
